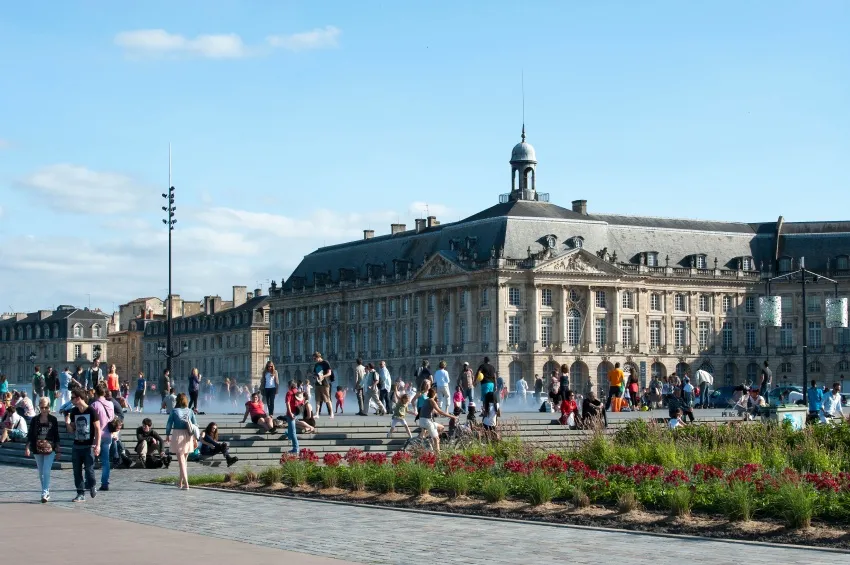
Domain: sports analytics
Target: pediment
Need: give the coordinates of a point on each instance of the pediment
(439, 266)
(578, 261)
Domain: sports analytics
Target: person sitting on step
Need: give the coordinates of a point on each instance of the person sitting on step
(210, 445)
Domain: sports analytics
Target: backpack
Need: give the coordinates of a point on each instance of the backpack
(545, 407)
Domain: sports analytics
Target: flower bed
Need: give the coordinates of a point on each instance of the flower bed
(765, 472)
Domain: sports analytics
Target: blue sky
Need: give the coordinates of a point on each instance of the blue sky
(295, 124)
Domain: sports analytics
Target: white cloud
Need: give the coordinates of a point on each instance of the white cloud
(158, 42)
(72, 188)
(319, 38)
(124, 254)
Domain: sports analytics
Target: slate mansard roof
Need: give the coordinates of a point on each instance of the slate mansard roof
(512, 229)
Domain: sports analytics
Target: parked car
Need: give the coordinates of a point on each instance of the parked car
(784, 390)
(722, 397)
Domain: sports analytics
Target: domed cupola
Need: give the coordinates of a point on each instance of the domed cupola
(523, 167)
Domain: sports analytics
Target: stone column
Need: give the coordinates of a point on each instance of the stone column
(498, 323)
(564, 311)
(472, 303)
(590, 330)
(667, 338)
(420, 320)
(453, 300)
(616, 335)
(533, 323)
(642, 325)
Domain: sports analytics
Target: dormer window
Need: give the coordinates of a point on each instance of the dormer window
(577, 242)
(651, 259)
(551, 241)
(842, 263)
(700, 261)
(747, 264)
(785, 264)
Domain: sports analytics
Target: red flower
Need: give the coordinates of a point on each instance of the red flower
(456, 462)
(676, 478)
(375, 458)
(288, 457)
(707, 472)
(427, 458)
(553, 464)
(331, 459)
(400, 457)
(354, 456)
(482, 462)
(520, 467)
(308, 455)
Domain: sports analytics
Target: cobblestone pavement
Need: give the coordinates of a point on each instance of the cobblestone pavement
(373, 535)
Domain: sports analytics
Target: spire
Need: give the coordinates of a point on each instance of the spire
(523, 132)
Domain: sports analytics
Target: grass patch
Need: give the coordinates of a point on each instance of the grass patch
(738, 502)
(357, 477)
(540, 489)
(796, 505)
(627, 502)
(420, 479)
(204, 479)
(271, 475)
(495, 490)
(294, 473)
(383, 480)
(329, 477)
(457, 484)
(247, 475)
(580, 499)
(680, 501)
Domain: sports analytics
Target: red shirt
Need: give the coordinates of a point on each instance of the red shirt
(291, 402)
(256, 408)
(568, 406)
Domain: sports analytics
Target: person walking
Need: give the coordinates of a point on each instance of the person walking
(766, 380)
(164, 385)
(564, 382)
(466, 382)
(705, 381)
(94, 375)
(324, 380)
(441, 382)
(293, 403)
(141, 390)
(43, 444)
(66, 381)
(39, 383)
(359, 376)
(82, 423)
(113, 382)
(521, 391)
(50, 384)
(105, 414)
(374, 380)
(194, 389)
(182, 422)
(616, 380)
(271, 382)
(385, 385)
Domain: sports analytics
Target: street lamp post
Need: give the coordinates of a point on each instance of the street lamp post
(169, 222)
(804, 277)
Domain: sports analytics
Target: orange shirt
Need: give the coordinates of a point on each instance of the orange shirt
(616, 377)
(618, 403)
(112, 381)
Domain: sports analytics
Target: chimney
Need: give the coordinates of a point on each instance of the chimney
(397, 228)
(368, 234)
(207, 305)
(258, 292)
(42, 314)
(432, 221)
(240, 295)
(420, 224)
(580, 207)
(250, 295)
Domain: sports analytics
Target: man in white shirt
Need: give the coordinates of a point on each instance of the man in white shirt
(359, 375)
(521, 391)
(832, 404)
(441, 381)
(385, 385)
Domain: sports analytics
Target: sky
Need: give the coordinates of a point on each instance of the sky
(295, 124)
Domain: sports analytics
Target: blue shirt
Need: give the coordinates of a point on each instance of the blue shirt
(140, 385)
(179, 420)
(815, 396)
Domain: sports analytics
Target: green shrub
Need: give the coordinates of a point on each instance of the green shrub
(457, 484)
(383, 480)
(738, 501)
(329, 477)
(201, 479)
(627, 502)
(680, 501)
(271, 475)
(294, 473)
(357, 477)
(580, 498)
(495, 489)
(420, 479)
(796, 504)
(540, 489)
(248, 475)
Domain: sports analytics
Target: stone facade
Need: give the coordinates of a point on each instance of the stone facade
(63, 337)
(517, 282)
(231, 342)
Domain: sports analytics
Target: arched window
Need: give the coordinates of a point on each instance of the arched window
(815, 367)
(682, 368)
(95, 331)
(602, 371)
(707, 367)
(514, 372)
(550, 366)
(752, 372)
(730, 373)
(842, 366)
(46, 330)
(78, 330)
(579, 377)
(658, 370)
(573, 327)
(38, 332)
(29, 332)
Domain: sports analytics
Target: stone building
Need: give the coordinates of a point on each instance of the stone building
(66, 336)
(534, 285)
(125, 346)
(227, 339)
(140, 308)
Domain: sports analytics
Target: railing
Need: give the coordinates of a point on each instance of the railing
(457, 348)
(299, 358)
(485, 346)
(786, 350)
(815, 348)
(730, 350)
(520, 346)
(659, 349)
(391, 353)
(424, 350)
(753, 350)
(441, 349)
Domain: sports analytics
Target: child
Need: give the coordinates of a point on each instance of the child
(399, 412)
(618, 403)
(458, 399)
(340, 397)
(676, 420)
(470, 416)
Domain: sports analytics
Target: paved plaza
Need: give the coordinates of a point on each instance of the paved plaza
(224, 525)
